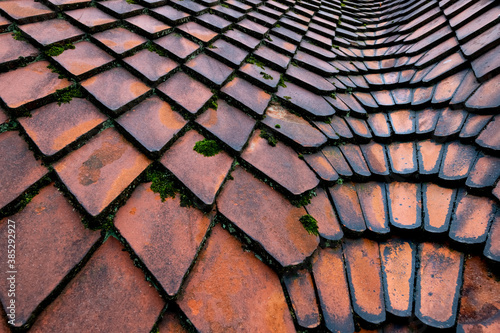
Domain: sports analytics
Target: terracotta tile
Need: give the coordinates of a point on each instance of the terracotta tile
(438, 285)
(486, 65)
(54, 127)
(383, 98)
(359, 127)
(26, 11)
(427, 120)
(348, 207)
(422, 95)
(84, 60)
(223, 276)
(320, 165)
(485, 172)
(458, 160)
(490, 137)
(164, 235)
(366, 99)
(212, 71)
(293, 127)
(333, 292)
(91, 19)
(52, 31)
(3, 117)
(438, 205)
(170, 14)
(68, 4)
(492, 247)
(326, 128)
(171, 323)
(480, 297)
(310, 80)
(214, 22)
(29, 86)
(485, 97)
(120, 8)
(272, 58)
(152, 123)
(189, 6)
(352, 104)
(450, 123)
(227, 52)
(403, 122)
(119, 41)
(376, 158)
(373, 202)
(260, 75)
(242, 39)
(355, 158)
(97, 173)
(474, 125)
(379, 125)
(405, 208)
(398, 259)
(365, 279)
(337, 160)
(402, 96)
(198, 31)
(44, 264)
(247, 95)
(203, 175)
(149, 26)
(19, 167)
(227, 123)
(11, 49)
(340, 127)
(300, 287)
(403, 158)
(116, 89)
(178, 46)
(446, 88)
(108, 294)
(150, 66)
(430, 154)
(472, 218)
(321, 209)
(178, 88)
(305, 100)
(481, 43)
(4, 23)
(281, 164)
(465, 89)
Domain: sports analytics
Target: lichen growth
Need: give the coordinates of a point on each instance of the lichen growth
(310, 224)
(207, 147)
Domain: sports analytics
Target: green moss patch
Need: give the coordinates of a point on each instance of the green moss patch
(207, 147)
(310, 224)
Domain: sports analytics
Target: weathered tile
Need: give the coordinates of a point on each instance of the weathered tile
(300, 287)
(52, 31)
(359, 127)
(458, 160)
(150, 66)
(320, 165)
(11, 50)
(203, 175)
(211, 70)
(438, 285)
(43, 264)
(120, 8)
(465, 89)
(373, 202)
(472, 218)
(31, 85)
(376, 158)
(485, 172)
(247, 95)
(362, 259)
(348, 207)
(333, 292)
(398, 258)
(355, 158)
(120, 42)
(179, 89)
(321, 209)
(116, 89)
(430, 154)
(405, 208)
(223, 276)
(490, 136)
(227, 52)
(306, 101)
(164, 235)
(26, 11)
(447, 87)
(170, 14)
(152, 123)
(54, 127)
(149, 26)
(171, 323)
(19, 167)
(474, 124)
(91, 19)
(427, 120)
(337, 160)
(261, 75)
(109, 286)
(178, 46)
(438, 203)
(449, 123)
(492, 247)
(198, 31)
(403, 158)
(98, 172)
(379, 125)
(403, 122)
(280, 163)
(485, 98)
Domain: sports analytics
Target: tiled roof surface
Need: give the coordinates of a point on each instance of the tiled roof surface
(250, 166)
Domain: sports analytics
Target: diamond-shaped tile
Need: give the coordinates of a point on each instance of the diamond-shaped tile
(91, 19)
(26, 11)
(52, 31)
(150, 66)
(119, 41)
(178, 46)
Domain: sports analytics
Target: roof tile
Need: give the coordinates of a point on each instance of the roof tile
(91, 19)
(303, 297)
(404, 205)
(372, 198)
(52, 31)
(26, 11)
(457, 162)
(438, 203)
(348, 207)
(212, 71)
(247, 95)
(178, 46)
(119, 42)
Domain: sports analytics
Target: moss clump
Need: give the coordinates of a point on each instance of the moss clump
(253, 61)
(266, 76)
(56, 50)
(207, 147)
(269, 137)
(340, 181)
(277, 126)
(131, 2)
(281, 83)
(161, 184)
(310, 224)
(156, 49)
(67, 94)
(304, 199)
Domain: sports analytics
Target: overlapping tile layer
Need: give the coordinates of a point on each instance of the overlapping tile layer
(250, 166)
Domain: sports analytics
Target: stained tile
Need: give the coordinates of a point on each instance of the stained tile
(84, 60)
(179, 87)
(227, 52)
(446, 88)
(210, 70)
(333, 292)
(468, 85)
(365, 278)
(242, 39)
(403, 158)
(485, 172)
(203, 175)
(261, 75)
(120, 8)
(438, 203)
(472, 218)
(348, 207)
(376, 158)
(178, 46)
(355, 158)
(149, 26)
(379, 125)
(320, 165)
(29, 86)
(458, 160)
(429, 157)
(44, 264)
(280, 163)
(54, 127)
(337, 160)
(310, 80)
(91, 19)
(272, 58)
(211, 287)
(487, 64)
(109, 285)
(492, 247)
(52, 31)
(490, 137)
(150, 66)
(169, 14)
(398, 258)
(439, 279)
(214, 22)
(198, 31)
(152, 123)
(26, 11)
(484, 98)
(247, 95)
(116, 89)
(267, 217)
(359, 128)
(293, 127)
(119, 41)
(171, 322)
(474, 125)
(372, 198)
(98, 172)
(11, 50)
(403, 122)
(303, 297)
(305, 100)
(164, 235)
(404, 205)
